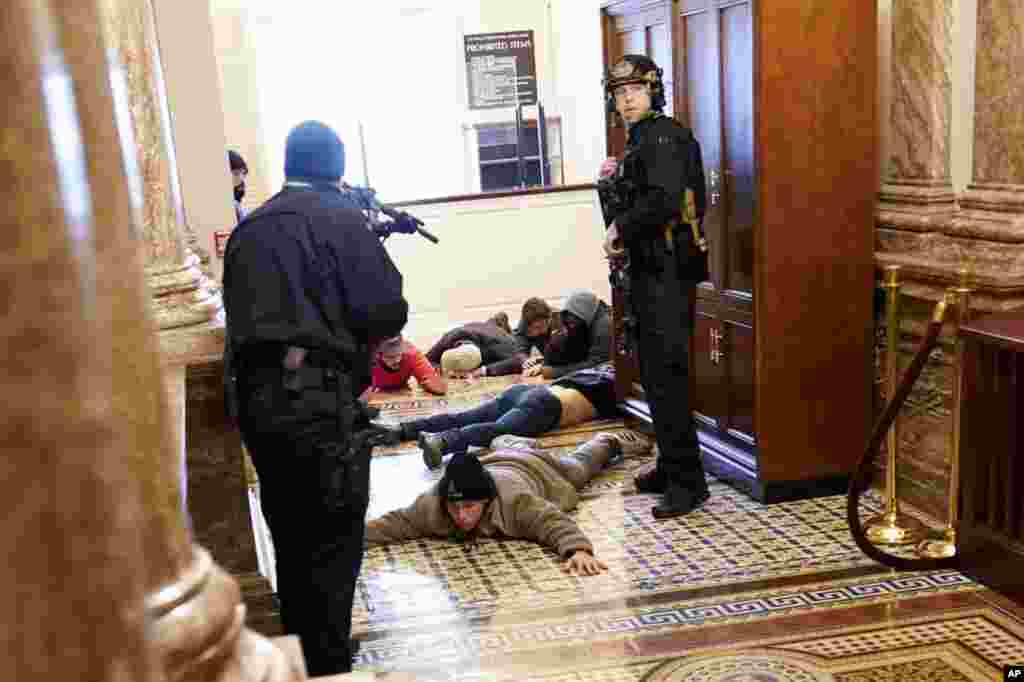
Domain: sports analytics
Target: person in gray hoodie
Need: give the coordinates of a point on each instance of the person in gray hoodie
(584, 340)
(517, 491)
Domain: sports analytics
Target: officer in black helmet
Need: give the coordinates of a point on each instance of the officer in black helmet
(308, 292)
(653, 202)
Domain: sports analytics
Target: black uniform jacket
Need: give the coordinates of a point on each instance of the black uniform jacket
(662, 160)
(304, 270)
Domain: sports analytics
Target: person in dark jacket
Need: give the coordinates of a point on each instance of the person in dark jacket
(520, 410)
(583, 341)
(239, 172)
(499, 352)
(653, 203)
(309, 291)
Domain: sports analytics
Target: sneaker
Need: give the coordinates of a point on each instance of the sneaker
(629, 443)
(511, 442)
(432, 445)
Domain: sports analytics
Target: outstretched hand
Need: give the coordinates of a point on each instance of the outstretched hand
(583, 563)
(612, 243)
(533, 371)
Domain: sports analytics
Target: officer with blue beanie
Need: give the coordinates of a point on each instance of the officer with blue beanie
(309, 291)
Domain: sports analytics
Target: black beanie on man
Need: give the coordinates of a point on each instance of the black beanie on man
(314, 151)
(465, 479)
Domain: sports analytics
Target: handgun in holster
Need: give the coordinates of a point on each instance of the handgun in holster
(695, 258)
(349, 479)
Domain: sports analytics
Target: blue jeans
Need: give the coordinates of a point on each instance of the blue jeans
(521, 410)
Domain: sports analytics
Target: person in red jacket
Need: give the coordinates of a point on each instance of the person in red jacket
(396, 360)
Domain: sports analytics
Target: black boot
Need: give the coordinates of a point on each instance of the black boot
(651, 481)
(679, 501)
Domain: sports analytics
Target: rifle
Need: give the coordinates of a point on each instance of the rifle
(365, 199)
(616, 193)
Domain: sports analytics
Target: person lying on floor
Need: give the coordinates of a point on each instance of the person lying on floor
(396, 360)
(537, 322)
(584, 340)
(521, 410)
(496, 351)
(518, 492)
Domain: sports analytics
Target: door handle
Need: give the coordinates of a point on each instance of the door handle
(716, 350)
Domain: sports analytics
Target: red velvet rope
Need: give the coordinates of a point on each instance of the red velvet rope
(861, 478)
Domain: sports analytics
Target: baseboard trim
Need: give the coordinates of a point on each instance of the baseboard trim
(735, 463)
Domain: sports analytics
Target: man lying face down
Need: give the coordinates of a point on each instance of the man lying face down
(521, 410)
(478, 349)
(515, 492)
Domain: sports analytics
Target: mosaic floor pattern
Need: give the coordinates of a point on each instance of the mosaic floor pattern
(736, 591)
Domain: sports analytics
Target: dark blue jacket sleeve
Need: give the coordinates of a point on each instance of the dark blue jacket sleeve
(371, 284)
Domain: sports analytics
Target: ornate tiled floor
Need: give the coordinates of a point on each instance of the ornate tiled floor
(736, 591)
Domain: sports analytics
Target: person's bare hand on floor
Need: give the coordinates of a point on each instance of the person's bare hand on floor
(583, 563)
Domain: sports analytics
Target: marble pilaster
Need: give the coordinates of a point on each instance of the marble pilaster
(993, 205)
(915, 212)
(86, 402)
(182, 295)
(916, 200)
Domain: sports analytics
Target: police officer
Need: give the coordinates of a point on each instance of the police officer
(653, 200)
(308, 291)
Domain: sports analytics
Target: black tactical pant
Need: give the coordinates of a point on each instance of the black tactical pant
(314, 498)
(663, 304)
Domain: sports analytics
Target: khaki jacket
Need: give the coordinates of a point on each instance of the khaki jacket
(533, 497)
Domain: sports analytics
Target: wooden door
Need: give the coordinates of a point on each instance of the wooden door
(714, 63)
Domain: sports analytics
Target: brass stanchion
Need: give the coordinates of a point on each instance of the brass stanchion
(892, 527)
(945, 546)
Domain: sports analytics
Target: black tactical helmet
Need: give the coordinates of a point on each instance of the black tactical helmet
(635, 68)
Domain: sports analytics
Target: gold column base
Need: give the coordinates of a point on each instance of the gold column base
(894, 528)
(939, 548)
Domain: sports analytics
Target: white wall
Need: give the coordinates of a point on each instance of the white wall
(576, 26)
(197, 119)
(239, 88)
(404, 76)
(494, 254)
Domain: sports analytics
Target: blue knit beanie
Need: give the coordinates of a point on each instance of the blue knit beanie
(313, 150)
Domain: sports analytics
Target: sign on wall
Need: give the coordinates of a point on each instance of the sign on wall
(500, 69)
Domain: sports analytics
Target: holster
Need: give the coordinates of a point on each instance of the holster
(691, 252)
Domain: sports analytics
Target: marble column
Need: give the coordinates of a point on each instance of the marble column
(915, 213)
(73, 574)
(107, 584)
(991, 222)
(182, 295)
(186, 308)
(917, 200)
(984, 232)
